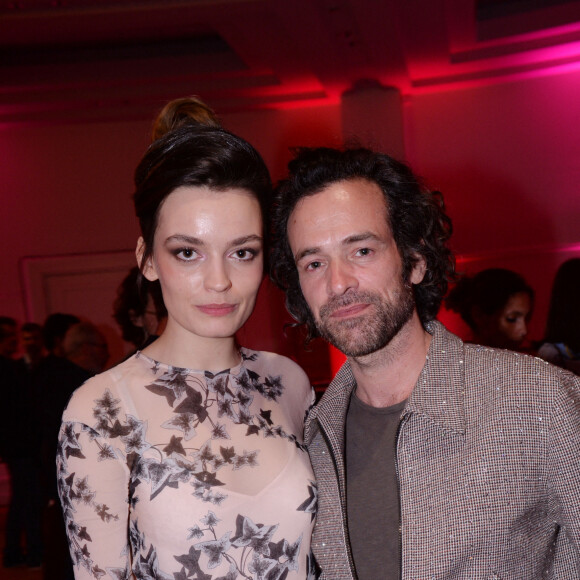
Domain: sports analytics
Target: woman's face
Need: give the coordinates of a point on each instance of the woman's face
(514, 318)
(207, 255)
(508, 328)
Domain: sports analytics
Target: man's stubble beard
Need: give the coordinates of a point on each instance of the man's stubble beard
(363, 335)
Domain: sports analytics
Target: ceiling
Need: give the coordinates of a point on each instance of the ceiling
(97, 59)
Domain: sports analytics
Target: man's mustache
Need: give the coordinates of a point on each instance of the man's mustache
(338, 302)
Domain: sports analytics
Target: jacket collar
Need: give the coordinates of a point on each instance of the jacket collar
(440, 389)
(332, 407)
(438, 393)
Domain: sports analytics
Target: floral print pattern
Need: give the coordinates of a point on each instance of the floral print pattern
(184, 442)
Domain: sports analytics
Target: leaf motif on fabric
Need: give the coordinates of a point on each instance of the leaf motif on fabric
(256, 536)
(253, 430)
(118, 430)
(219, 432)
(174, 446)
(231, 575)
(215, 549)
(192, 403)
(106, 452)
(261, 566)
(164, 390)
(247, 459)
(310, 505)
(107, 406)
(183, 422)
(267, 416)
(190, 561)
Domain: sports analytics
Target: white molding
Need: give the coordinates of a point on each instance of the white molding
(41, 273)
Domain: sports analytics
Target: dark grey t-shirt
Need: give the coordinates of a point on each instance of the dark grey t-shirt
(372, 494)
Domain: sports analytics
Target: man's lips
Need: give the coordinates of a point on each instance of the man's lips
(217, 309)
(349, 311)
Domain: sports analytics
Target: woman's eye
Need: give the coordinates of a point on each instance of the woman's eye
(245, 254)
(186, 254)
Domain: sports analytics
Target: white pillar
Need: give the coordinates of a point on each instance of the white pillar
(372, 117)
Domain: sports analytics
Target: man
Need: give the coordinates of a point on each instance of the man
(78, 350)
(18, 449)
(8, 336)
(434, 458)
(32, 344)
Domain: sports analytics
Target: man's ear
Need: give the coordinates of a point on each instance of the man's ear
(418, 271)
(147, 268)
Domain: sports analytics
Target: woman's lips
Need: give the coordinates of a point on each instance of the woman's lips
(217, 309)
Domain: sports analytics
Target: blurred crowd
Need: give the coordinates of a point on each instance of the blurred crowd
(40, 367)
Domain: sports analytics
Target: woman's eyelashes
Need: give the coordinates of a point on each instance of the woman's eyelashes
(185, 254)
(245, 254)
(239, 254)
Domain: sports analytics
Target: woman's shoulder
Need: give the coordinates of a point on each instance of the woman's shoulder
(272, 363)
(110, 383)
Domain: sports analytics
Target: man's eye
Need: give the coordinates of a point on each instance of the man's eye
(364, 252)
(313, 265)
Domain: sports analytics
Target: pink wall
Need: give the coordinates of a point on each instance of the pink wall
(65, 189)
(506, 157)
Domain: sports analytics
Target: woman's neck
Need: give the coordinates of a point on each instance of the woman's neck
(187, 350)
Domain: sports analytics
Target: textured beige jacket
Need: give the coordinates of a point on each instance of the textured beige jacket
(488, 458)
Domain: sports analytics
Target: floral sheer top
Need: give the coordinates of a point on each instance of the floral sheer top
(167, 473)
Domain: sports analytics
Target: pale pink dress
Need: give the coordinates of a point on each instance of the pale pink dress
(169, 473)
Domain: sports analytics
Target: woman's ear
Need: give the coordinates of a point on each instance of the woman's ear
(148, 269)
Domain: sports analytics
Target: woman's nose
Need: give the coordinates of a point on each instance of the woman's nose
(216, 277)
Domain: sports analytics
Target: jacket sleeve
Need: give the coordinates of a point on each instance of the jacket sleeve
(564, 456)
(93, 485)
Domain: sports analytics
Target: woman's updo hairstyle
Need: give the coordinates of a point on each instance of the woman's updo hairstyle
(196, 155)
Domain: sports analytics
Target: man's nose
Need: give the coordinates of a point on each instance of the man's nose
(341, 278)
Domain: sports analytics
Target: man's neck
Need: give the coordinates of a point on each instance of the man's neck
(388, 376)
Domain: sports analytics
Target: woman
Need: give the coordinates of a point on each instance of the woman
(186, 460)
(561, 344)
(497, 306)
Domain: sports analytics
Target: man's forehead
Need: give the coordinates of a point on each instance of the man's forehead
(343, 213)
(341, 199)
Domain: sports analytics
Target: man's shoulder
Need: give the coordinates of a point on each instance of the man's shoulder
(486, 360)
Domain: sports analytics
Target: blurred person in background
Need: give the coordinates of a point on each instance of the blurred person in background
(19, 449)
(32, 344)
(561, 344)
(139, 310)
(497, 306)
(8, 336)
(76, 351)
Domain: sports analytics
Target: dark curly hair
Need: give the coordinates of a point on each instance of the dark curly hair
(416, 217)
(196, 155)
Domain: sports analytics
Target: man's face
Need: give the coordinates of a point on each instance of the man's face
(349, 266)
(9, 342)
(31, 341)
